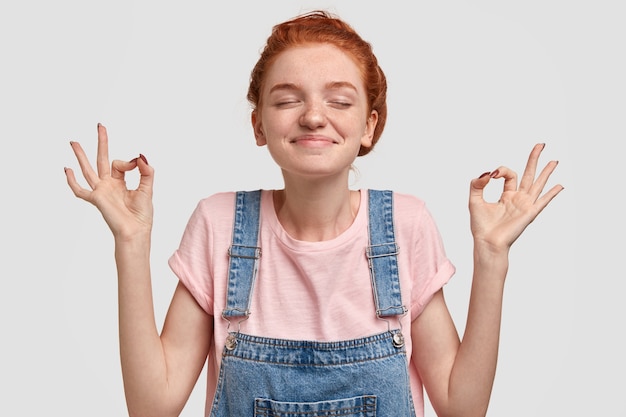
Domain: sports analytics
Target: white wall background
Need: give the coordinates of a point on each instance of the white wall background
(472, 85)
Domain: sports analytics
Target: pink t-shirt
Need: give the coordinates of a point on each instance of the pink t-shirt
(309, 290)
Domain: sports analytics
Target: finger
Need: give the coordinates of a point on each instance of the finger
(102, 161)
(120, 168)
(78, 191)
(510, 178)
(528, 178)
(543, 177)
(545, 199)
(85, 166)
(146, 178)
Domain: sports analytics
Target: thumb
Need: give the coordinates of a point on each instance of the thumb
(146, 172)
(477, 185)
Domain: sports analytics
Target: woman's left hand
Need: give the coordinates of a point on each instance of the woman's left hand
(499, 224)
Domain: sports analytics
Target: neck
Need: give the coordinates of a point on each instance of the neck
(315, 211)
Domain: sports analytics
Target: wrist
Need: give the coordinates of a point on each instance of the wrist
(133, 240)
(491, 262)
(490, 249)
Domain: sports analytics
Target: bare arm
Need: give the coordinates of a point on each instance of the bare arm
(458, 375)
(159, 370)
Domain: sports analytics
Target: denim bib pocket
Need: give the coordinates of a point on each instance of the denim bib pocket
(360, 406)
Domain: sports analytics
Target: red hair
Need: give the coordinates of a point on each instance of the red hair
(322, 27)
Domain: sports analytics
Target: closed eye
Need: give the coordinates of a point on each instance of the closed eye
(341, 104)
(286, 103)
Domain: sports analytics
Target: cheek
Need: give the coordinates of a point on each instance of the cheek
(277, 122)
(354, 126)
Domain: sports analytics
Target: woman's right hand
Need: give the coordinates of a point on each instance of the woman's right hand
(127, 212)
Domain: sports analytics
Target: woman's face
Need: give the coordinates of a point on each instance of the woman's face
(314, 114)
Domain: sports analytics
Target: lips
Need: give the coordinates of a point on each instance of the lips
(314, 140)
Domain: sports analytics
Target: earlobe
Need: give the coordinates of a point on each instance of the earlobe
(257, 128)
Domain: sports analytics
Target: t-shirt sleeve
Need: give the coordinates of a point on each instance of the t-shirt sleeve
(430, 267)
(193, 261)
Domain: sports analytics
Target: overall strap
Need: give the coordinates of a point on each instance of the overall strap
(244, 254)
(382, 255)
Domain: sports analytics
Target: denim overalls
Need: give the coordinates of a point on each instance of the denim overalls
(267, 377)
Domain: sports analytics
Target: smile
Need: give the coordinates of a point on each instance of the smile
(314, 141)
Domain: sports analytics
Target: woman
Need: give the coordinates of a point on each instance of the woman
(313, 298)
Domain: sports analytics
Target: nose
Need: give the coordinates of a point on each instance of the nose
(313, 115)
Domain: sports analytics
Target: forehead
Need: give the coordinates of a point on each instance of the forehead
(307, 64)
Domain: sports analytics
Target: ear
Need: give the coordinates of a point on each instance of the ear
(370, 125)
(257, 128)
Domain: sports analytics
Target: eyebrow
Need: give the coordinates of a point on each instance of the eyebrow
(333, 85)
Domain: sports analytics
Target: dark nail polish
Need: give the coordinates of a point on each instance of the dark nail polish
(495, 173)
(484, 174)
(143, 158)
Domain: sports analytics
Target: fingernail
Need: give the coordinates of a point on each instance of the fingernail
(495, 173)
(99, 125)
(143, 158)
(71, 142)
(484, 174)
